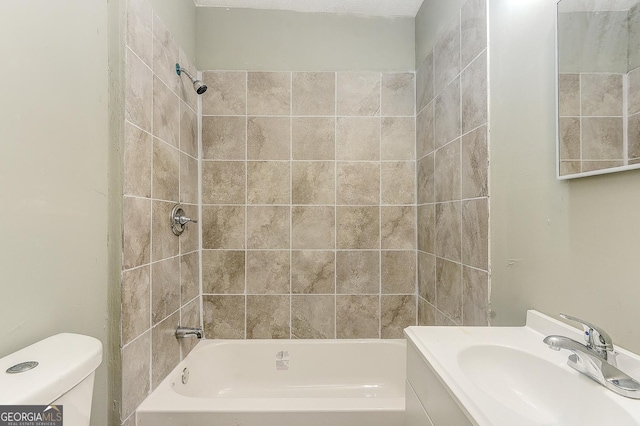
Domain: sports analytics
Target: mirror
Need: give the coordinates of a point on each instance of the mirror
(598, 43)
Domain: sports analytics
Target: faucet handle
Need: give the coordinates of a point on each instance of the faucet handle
(596, 337)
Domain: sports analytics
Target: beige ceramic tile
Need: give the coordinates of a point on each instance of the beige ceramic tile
(358, 183)
(313, 317)
(446, 55)
(473, 38)
(424, 83)
(269, 93)
(398, 182)
(136, 291)
(314, 138)
(357, 272)
(426, 313)
(165, 349)
(634, 136)
(223, 271)
(634, 91)
(137, 232)
(223, 227)
(426, 228)
(188, 179)
(358, 93)
(137, 162)
(448, 231)
(398, 138)
(138, 92)
(358, 139)
(601, 94)
(589, 166)
(569, 138)
(426, 180)
(139, 21)
(425, 131)
(447, 172)
(268, 182)
(313, 272)
(398, 272)
(357, 317)
(475, 233)
(313, 227)
(223, 317)
(131, 421)
(570, 167)
(166, 171)
(226, 93)
(188, 131)
(268, 138)
(189, 277)
(476, 297)
(475, 164)
(569, 95)
(268, 272)
(474, 88)
(398, 313)
(165, 289)
(313, 182)
(136, 364)
(398, 94)
(602, 138)
(314, 93)
(165, 55)
(268, 317)
(444, 320)
(224, 138)
(358, 227)
(449, 289)
(223, 182)
(166, 113)
(268, 227)
(427, 277)
(447, 114)
(398, 227)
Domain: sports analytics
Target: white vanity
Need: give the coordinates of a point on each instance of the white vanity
(495, 376)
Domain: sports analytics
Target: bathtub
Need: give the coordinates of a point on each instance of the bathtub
(283, 383)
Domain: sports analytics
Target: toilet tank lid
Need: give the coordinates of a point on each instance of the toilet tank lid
(64, 360)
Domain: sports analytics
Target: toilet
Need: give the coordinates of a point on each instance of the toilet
(64, 375)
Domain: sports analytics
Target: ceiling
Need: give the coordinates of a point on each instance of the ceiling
(361, 7)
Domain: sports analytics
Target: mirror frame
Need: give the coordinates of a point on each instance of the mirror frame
(557, 112)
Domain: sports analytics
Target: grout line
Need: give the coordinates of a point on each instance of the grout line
(246, 195)
(290, 205)
(335, 209)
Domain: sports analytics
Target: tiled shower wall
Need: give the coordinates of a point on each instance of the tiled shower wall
(160, 277)
(308, 193)
(452, 189)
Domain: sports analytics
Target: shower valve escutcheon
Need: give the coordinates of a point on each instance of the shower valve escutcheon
(179, 220)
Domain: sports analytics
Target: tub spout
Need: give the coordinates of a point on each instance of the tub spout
(182, 332)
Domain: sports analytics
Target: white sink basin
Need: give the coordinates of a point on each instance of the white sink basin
(538, 390)
(508, 376)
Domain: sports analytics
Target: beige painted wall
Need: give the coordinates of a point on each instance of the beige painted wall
(556, 246)
(267, 40)
(179, 16)
(53, 168)
(430, 20)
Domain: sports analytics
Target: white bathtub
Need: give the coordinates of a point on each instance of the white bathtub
(283, 383)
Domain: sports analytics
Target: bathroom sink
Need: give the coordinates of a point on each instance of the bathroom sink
(508, 376)
(536, 389)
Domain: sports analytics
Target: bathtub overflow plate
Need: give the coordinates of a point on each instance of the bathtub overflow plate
(185, 376)
(22, 367)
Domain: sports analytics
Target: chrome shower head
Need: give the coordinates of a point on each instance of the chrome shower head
(198, 85)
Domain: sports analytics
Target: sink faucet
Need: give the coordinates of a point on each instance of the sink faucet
(182, 332)
(596, 359)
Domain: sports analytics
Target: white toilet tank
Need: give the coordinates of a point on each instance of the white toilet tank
(64, 375)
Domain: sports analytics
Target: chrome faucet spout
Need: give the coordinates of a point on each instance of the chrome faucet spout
(182, 332)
